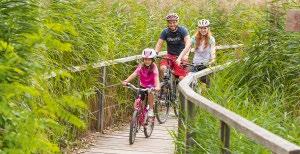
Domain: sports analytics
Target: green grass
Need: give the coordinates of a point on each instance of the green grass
(40, 36)
(263, 89)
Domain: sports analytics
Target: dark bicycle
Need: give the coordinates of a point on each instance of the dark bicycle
(140, 114)
(196, 68)
(168, 95)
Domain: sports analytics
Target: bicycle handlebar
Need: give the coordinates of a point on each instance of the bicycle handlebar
(129, 85)
(167, 58)
(191, 64)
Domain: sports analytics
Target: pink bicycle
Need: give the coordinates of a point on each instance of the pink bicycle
(140, 114)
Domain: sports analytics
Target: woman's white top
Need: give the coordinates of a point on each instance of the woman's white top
(203, 55)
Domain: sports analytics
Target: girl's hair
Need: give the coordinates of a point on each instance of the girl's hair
(199, 37)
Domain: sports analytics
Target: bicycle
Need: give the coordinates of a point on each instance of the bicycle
(196, 68)
(168, 95)
(140, 114)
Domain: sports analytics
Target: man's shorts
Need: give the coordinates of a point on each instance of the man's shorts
(176, 69)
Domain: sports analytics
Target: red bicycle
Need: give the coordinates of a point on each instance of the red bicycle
(140, 114)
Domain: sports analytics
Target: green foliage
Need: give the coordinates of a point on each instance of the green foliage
(39, 115)
(263, 88)
(32, 119)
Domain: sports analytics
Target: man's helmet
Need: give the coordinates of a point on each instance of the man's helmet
(203, 23)
(149, 53)
(172, 16)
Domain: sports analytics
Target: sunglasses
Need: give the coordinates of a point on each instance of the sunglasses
(203, 27)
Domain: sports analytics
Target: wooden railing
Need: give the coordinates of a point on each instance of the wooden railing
(190, 99)
(102, 66)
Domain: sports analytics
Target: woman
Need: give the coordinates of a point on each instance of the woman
(204, 48)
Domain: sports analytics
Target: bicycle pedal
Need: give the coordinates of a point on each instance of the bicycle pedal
(162, 101)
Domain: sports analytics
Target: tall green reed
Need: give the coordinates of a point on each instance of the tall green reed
(263, 88)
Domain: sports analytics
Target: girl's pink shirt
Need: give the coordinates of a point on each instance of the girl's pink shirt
(147, 76)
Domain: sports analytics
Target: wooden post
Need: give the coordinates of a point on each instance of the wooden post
(225, 138)
(181, 120)
(181, 112)
(189, 133)
(101, 95)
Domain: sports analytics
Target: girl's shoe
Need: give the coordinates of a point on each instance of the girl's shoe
(150, 113)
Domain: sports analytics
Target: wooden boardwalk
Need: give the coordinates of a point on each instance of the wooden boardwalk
(117, 143)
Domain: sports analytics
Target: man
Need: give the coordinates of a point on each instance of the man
(178, 43)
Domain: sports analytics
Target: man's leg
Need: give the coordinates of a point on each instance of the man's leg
(163, 66)
(180, 71)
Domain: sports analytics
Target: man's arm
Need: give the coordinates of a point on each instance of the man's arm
(159, 45)
(186, 50)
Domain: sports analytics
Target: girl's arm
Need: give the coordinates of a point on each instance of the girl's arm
(156, 78)
(157, 83)
(132, 76)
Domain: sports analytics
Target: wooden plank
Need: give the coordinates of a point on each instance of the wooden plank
(251, 130)
(117, 142)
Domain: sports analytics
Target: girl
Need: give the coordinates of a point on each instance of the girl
(148, 74)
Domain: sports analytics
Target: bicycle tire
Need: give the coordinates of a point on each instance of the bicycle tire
(163, 101)
(133, 127)
(148, 128)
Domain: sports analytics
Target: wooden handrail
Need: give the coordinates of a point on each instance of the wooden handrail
(258, 134)
(121, 60)
(102, 79)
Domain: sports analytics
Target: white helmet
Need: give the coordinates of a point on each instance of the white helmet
(203, 23)
(149, 53)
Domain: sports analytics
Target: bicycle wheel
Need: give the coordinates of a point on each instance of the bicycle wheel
(148, 128)
(133, 127)
(162, 105)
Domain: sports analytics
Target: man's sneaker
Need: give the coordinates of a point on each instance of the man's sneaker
(150, 113)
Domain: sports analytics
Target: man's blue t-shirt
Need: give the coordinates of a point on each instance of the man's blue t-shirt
(175, 40)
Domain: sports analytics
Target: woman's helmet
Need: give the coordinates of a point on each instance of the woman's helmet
(149, 53)
(203, 23)
(172, 16)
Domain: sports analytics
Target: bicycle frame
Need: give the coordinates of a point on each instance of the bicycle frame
(140, 107)
(140, 114)
(170, 79)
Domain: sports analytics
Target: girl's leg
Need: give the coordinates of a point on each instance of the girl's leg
(151, 104)
(151, 100)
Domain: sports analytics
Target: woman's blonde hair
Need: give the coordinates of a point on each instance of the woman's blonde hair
(199, 37)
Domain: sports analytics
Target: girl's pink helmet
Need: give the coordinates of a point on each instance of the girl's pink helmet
(149, 53)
